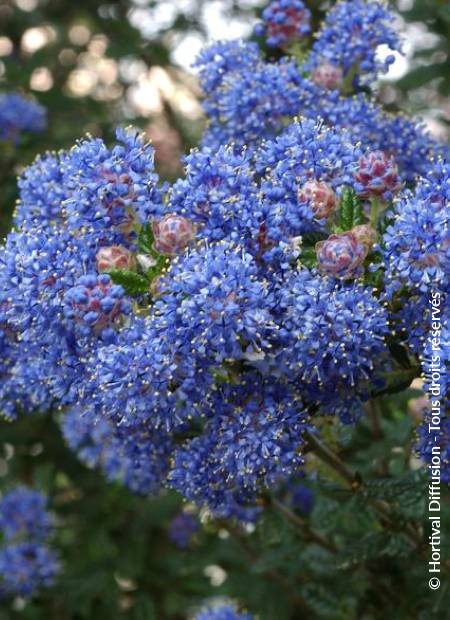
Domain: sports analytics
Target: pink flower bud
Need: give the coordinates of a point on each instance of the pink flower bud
(321, 198)
(328, 76)
(377, 175)
(172, 234)
(340, 255)
(114, 257)
(366, 235)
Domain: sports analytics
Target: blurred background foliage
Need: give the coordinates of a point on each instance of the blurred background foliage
(97, 64)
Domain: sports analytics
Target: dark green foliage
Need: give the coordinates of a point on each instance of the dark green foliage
(133, 283)
(350, 210)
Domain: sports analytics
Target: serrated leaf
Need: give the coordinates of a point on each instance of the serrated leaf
(350, 210)
(133, 283)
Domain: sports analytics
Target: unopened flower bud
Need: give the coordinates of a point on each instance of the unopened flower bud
(114, 257)
(366, 235)
(340, 255)
(328, 76)
(172, 234)
(321, 198)
(377, 175)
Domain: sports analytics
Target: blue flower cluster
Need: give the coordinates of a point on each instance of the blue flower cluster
(416, 253)
(137, 458)
(284, 22)
(246, 92)
(27, 564)
(195, 334)
(19, 115)
(350, 36)
(333, 336)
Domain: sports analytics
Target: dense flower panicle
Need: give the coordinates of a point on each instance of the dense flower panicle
(252, 440)
(366, 123)
(341, 255)
(138, 458)
(135, 381)
(350, 36)
(214, 308)
(197, 375)
(219, 195)
(218, 60)
(42, 192)
(407, 140)
(26, 563)
(284, 22)
(305, 153)
(221, 612)
(37, 267)
(377, 175)
(24, 515)
(182, 528)
(110, 190)
(252, 97)
(333, 336)
(416, 246)
(25, 568)
(94, 304)
(19, 114)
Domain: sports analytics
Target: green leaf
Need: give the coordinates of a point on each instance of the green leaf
(132, 282)
(145, 240)
(350, 211)
(397, 381)
(308, 258)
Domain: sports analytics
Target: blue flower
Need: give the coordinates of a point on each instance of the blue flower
(42, 192)
(136, 457)
(24, 515)
(222, 612)
(416, 246)
(334, 340)
(25, 568)
(284, 22)
(94, 304)
(350, 36)
(19, 114)
(110, 191)
(247, 99)
(219, 195)
(252, 439)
